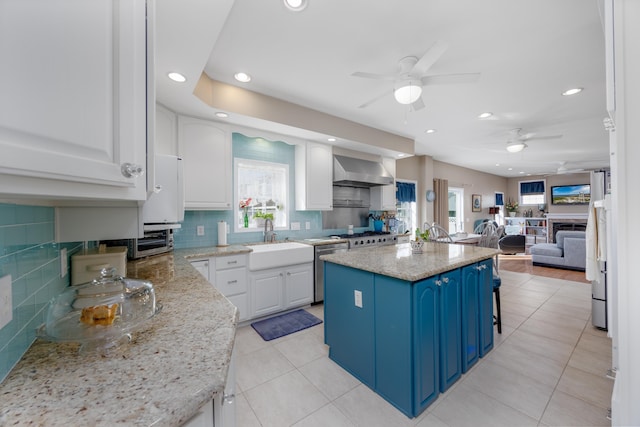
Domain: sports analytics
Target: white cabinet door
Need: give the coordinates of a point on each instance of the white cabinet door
(314, 176)
(74, 96)
(383, 198)
(205, 148)
(202, 266)
(266, 287)
(299, 285)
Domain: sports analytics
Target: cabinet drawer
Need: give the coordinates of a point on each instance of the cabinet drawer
(232, 281)
(242, 303)
(231, 261)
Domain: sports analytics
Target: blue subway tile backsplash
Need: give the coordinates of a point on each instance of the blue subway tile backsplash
(29, 254)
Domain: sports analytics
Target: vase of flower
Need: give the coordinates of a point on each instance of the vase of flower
(244, 205)
(511, 207)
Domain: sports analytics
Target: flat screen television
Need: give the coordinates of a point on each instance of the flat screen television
(579, 194)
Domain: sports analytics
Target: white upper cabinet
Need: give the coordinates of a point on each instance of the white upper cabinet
(314, 177)
(166, 135)
(74, 95)
(205, 148)
(383, 198)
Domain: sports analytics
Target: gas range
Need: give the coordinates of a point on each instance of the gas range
(369, 238)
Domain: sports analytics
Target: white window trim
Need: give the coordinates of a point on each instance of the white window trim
(238, 229)
(520, 195)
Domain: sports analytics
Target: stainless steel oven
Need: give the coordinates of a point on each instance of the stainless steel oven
(153, 242)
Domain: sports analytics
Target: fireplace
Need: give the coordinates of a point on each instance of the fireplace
(557, 222)
(557, 226)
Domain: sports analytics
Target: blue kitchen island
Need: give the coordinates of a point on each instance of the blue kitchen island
(409, 325)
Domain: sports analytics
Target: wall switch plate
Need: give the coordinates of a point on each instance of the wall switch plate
(6, 305)
(295, 226)
(307, 225)
(358, 298)
(64, 263)
(200, 230)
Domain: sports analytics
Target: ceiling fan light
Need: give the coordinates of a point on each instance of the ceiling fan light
(516, 146)
(408, 93)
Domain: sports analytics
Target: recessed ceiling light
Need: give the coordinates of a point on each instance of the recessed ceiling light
(177, 77)
(485, 115)
(242, 77)
(510, 169)
(573, 91)
(497, 164)
(521, 172)
(331, 139)
(222, 115)
(401, 155)
(430, 131)
(296, 5)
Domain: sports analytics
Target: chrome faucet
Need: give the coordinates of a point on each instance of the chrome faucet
(269, 235)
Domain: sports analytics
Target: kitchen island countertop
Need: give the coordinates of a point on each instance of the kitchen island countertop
(170, 369)
(398, 261)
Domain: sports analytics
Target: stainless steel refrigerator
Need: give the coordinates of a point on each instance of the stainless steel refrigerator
(598, 232)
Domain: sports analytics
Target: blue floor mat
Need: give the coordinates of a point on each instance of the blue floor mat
(285, 324)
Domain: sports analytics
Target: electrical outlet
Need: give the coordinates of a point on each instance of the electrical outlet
(307, 225)
(64, 265)
(200, 230)
(6, 308)
(358, 298)
(295, 226)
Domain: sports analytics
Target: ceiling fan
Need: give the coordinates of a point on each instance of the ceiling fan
(517, 140)
(412, 77)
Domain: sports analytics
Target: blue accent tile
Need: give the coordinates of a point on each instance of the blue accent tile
(28, 254)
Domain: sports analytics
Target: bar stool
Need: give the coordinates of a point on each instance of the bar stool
(497, 318)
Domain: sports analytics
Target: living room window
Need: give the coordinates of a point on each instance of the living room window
(261, 192)
(532, 192)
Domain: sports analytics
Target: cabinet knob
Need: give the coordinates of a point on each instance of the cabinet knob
(288, 273)
(228, 398)
(445, 279)
(438, 283)
(129, 170)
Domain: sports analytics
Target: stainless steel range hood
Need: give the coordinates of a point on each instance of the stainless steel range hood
(352, 172)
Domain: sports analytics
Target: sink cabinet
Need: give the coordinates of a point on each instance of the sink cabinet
(277, 289)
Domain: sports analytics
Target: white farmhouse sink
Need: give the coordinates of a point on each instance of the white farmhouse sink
(270, 255)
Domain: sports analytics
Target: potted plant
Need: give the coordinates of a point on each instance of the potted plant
(418, 243)
(511, 207)
(261, 217)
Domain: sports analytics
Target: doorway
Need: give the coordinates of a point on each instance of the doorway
(456, 209)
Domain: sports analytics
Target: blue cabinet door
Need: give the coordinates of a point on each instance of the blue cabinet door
(450, 328)
(349, 330)
(426, 321)
(470, 316)
(485, 280)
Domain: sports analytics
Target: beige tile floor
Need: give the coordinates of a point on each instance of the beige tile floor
(547, 368)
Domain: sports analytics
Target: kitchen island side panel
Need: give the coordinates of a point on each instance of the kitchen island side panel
(349, 329)
(485, 281)
(393, 357)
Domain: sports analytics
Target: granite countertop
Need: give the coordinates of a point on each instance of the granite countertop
(398, 261)
(170, 369)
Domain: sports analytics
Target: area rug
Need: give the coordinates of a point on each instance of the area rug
(285, 324)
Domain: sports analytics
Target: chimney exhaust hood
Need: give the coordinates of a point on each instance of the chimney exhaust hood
(352, 172)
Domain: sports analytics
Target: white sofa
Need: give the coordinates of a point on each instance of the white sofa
(568, 252)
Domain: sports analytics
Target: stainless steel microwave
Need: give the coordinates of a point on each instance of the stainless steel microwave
(152, 243)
